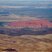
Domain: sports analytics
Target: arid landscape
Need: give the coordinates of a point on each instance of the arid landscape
(27, 43)
(26, 34)
(25, 25)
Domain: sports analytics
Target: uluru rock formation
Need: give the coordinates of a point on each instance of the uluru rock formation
(32, 24)
(31, 27)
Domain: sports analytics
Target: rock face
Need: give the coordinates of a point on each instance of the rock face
(27, 43)
(32, 24)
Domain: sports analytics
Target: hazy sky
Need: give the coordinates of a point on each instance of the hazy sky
(8, 1)
(25, 0)
(5, 2)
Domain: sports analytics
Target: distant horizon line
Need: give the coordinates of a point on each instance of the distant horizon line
(8, 6)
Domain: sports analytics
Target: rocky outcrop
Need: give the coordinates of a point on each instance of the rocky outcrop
(32, 24)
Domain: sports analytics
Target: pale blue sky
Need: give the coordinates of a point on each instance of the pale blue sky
(5, 2)
(2, 1)
(25, 0)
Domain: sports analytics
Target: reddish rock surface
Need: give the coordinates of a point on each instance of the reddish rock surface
(32, 23)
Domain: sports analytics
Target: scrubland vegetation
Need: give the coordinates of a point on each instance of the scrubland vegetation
(27, 43)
